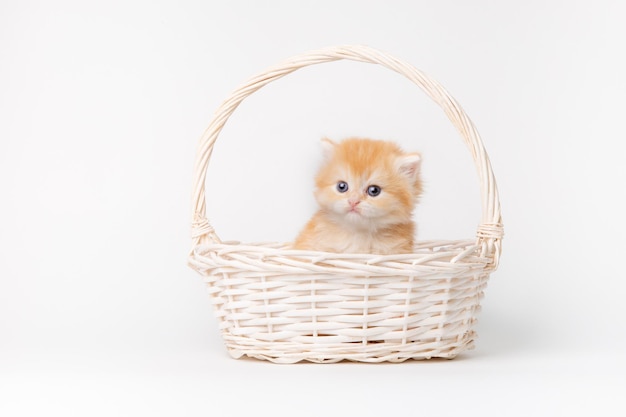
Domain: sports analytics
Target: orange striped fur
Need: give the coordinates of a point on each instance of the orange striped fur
(355, 220)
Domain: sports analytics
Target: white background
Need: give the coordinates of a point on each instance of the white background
(101, 107)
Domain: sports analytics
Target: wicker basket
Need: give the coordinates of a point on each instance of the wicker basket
(286, 305)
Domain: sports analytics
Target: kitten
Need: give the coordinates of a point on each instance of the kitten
(367, 190)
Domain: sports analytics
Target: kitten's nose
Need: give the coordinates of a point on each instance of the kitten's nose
(354, 203)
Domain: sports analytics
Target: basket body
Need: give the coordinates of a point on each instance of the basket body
(286, 306)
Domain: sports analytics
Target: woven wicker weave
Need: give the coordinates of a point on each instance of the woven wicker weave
(286, 305)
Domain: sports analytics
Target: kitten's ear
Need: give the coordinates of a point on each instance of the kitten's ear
(328, 148)
(409, 165)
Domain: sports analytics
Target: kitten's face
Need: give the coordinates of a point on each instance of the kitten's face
(368, 184)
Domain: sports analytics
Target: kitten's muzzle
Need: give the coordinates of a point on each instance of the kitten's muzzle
(354, 205)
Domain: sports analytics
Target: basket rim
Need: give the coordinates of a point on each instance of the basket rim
(438, 259)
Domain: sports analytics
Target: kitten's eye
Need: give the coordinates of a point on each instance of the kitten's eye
(373, 190)
(342, 186)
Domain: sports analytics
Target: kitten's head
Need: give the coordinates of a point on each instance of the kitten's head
(368, 184)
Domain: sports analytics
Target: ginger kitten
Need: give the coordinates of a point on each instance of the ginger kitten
(367, 190)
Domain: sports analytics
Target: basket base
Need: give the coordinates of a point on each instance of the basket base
(370, 352)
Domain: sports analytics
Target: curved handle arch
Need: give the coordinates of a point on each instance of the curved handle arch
(490, 230)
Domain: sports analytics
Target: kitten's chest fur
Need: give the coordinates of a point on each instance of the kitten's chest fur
(357, 241)
(326, 234)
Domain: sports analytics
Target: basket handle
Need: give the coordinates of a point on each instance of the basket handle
(490, 230)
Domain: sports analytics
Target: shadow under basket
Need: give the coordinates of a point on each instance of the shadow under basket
(284, 305)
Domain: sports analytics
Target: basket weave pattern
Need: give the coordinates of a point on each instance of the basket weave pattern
(285, 305)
